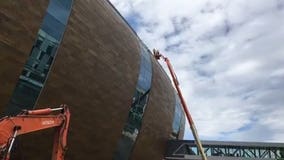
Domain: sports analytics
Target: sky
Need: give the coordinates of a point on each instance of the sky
(229, 59)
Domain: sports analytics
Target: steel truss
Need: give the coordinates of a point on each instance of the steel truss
(187, 149)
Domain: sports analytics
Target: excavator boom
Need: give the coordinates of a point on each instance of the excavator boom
(32, 121)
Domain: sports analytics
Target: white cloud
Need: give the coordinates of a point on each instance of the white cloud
(229, 57)
(247, 67)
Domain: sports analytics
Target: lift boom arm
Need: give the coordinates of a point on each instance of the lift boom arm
(35, 120)
(157, 55)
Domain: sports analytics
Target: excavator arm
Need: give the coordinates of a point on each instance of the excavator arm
(32, 121)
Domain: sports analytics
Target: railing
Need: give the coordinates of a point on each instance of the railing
(187, 149)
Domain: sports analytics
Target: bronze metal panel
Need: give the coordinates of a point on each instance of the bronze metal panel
(19, 24)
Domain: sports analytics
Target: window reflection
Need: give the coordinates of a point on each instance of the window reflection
(178, 119)
(41, 57)
(139, 103)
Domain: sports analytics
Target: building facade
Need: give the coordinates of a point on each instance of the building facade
(85, 55)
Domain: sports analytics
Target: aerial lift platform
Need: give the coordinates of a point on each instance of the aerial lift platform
(159, 56)
(216, 150)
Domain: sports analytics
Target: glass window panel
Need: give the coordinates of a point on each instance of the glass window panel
(37, 66)
(53, 27)
(178, 118)
(60, 10)
(140, 99)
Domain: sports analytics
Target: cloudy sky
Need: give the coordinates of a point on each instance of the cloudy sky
(229, 57)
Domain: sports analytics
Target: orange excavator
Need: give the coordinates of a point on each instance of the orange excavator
(34, 120)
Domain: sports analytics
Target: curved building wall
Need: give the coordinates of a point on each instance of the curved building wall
(19, 29)
(96, 72)
(157, 124)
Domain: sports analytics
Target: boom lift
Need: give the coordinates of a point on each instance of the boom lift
(34, 120)
(158, 56)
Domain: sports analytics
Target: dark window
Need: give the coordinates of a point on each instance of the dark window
(41, 56)
(38, 43)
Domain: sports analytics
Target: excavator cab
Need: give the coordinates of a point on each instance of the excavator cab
(35, 120)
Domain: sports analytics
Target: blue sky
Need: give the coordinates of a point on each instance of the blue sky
(229, 57)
